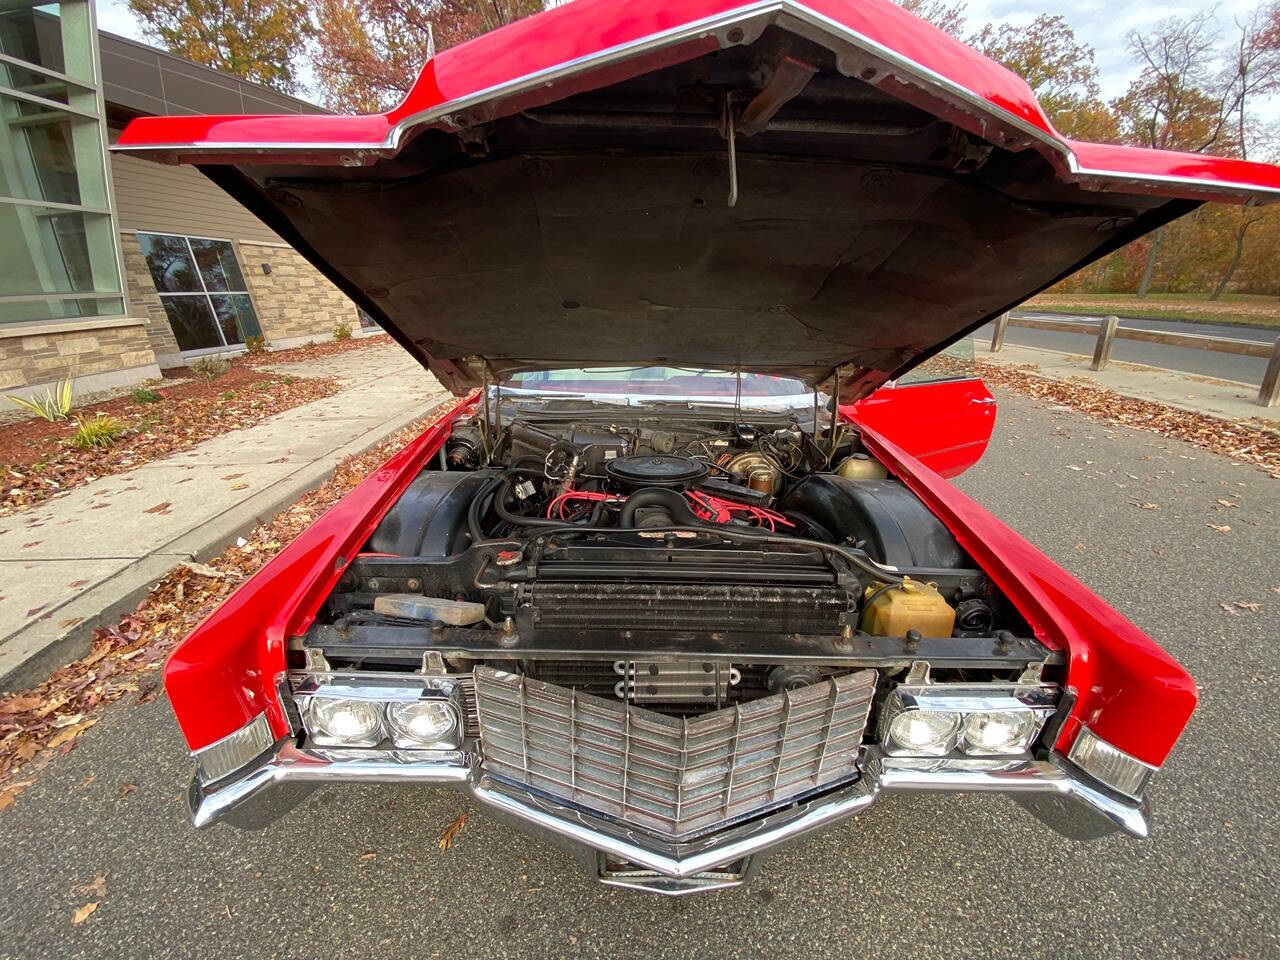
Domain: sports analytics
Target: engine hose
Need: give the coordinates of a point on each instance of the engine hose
(477, 505)
(855, 558)
(674, 503)
(516, 519)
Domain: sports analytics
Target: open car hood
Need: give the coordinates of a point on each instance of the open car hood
(829, 189)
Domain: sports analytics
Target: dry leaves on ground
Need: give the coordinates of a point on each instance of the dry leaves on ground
(82, 914)
(37, 724)
(316, 351)
(1250, 442)
(38, 462)
(452, 831)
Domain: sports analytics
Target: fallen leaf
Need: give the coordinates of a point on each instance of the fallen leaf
(366, 857)
(8, 798)
(1251, 607)
(67, 734)
(30, 702)
(1074, 467)
(240, 486)
(81, 915)
(95, 888)
(126, 788)
(451, 832)
(1219, 527)
(204, 570)
(1227, 503)
(162, 507)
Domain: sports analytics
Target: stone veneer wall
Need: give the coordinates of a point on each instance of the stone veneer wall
(295, 301)
(143, 300)
(98, 356)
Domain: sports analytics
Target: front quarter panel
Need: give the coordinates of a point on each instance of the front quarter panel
(223, 674)
(1129, 691)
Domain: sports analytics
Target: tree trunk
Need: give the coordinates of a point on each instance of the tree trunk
(1144, 284)
(1235, 260)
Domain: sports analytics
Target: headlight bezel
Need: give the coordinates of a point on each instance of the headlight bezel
(382, 691)
(1034, 701)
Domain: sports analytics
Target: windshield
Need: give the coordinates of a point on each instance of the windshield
(656, 382)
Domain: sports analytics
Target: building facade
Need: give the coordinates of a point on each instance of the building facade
(115, 267)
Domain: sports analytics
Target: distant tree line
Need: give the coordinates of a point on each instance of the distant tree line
(1196, 90)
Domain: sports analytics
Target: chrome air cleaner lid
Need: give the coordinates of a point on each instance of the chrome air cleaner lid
(654, 470)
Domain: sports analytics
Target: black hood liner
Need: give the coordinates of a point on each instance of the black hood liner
(591, 236)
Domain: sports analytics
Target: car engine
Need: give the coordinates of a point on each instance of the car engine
(684, 562)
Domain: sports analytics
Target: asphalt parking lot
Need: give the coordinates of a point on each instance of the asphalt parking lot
(357, 873)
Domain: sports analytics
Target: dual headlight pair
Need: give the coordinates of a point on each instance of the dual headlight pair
(933, 720)
(369, 710)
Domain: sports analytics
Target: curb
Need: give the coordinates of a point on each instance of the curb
(31, 655)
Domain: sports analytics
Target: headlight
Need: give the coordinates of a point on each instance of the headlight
(344, 723)
(925, 719)
(923, 732)
(998, 732)
(387, 710)
(421, 722)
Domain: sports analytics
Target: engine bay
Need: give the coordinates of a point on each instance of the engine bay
(678, 558)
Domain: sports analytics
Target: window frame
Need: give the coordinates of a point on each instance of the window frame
(78, 28)
(204, 290)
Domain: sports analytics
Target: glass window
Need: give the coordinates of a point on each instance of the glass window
(57, 240)
(202, 289)
(954, 363)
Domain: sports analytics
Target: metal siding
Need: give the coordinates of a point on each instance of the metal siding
(159, 198)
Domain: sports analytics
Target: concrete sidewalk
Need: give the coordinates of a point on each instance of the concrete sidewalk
(84, 559)
(1188, 391)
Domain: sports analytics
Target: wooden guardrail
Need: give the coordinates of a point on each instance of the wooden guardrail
(1108, 330)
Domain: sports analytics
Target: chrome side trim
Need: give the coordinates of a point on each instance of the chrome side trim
(289, 775)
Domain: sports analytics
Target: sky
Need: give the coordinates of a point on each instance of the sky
(1103, 24)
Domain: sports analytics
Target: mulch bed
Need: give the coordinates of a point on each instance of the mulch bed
(40, 723)
(316, 351)
(38, 462)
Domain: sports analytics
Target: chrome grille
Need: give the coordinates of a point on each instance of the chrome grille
(670, 775)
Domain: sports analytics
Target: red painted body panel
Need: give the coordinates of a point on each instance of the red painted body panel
(223, 674)
(1130, 691)
(590, 43)
(945, 424)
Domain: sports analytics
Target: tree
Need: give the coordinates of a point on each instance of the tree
(258, 40)
(1060, 69)
(946, 16)
(1254, 71)
(368, 52)
(1172, 104)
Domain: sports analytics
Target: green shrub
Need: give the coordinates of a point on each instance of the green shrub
(146, 395)
(287, 380)
(211, 367)
(342, 331)
(227, 395)
(99, 430)
(256, 345)
(53, 406)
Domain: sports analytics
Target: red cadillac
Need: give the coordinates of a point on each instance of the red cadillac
(681, 579)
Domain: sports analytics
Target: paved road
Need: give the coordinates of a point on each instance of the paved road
(1225, 366)
(920, 877)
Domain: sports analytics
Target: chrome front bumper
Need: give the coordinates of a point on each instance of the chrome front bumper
(625, 856)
